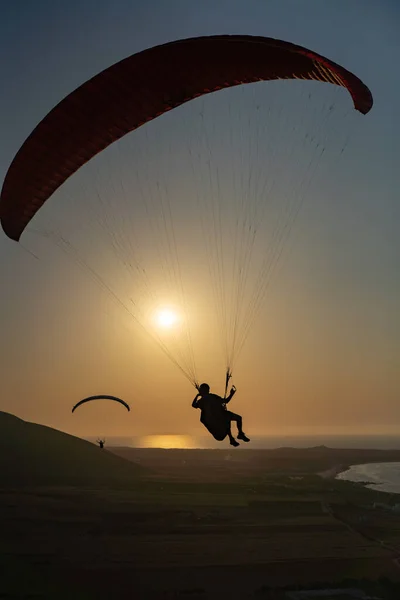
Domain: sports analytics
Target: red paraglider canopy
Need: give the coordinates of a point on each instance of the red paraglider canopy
(139, 89)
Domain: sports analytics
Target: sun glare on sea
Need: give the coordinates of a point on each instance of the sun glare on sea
(168, 441)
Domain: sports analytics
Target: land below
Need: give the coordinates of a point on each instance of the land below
(193, 524)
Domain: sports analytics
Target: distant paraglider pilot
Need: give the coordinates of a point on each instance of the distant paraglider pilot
(215, 417)
(101, 443)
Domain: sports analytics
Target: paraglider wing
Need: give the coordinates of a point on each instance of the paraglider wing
(101, 397)
(139, 89)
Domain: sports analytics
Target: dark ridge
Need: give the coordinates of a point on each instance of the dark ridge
(32, 454)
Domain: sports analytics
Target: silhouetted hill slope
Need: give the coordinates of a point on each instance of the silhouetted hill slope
(33, 454)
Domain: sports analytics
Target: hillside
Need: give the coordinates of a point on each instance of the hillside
(33, 455)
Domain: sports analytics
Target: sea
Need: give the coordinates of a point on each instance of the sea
(378, 442)
(384, 477)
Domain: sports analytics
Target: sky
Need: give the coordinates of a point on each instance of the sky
(324, 352)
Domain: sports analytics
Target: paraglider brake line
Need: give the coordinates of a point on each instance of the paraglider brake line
(227, 378)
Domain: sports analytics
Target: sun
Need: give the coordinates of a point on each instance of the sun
(166, 318)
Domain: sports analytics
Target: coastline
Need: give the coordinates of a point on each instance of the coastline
(383, 478)
(333, 472)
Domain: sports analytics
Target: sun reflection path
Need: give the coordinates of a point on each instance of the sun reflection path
(168, 441)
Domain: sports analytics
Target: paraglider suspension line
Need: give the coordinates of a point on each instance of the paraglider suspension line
(227, 378)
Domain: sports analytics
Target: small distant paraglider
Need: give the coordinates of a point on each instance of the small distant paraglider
(101, 442)
(101, 397)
